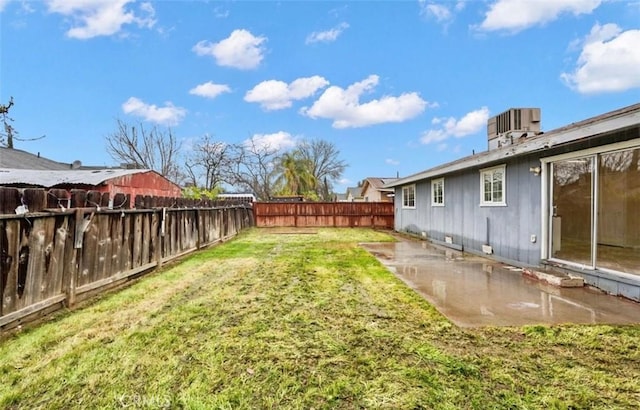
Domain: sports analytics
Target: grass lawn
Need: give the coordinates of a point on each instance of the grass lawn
(304, 321)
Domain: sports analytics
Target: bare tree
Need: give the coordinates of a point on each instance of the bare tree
(326, 168)
(253, 167)
(10, 134)
(145, 149)
(207, 164)
(6, 122)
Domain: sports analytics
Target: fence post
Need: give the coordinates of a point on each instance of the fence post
(333, 212)
(197, 228)
(79, 226)
(161, 237)
(371, 213)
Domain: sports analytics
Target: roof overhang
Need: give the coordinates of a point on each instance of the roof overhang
(593, 127)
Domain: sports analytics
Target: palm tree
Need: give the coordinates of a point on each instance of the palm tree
(295, 176)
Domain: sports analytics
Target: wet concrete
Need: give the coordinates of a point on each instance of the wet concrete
(474, 291)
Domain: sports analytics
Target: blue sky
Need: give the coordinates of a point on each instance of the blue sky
(397, 86)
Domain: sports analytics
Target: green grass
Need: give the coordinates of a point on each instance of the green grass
(304, 321)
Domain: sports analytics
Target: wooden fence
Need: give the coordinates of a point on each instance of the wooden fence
(54, 259)
(324, 214)
(40, 199)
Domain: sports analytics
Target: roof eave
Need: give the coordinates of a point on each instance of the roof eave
(586, 129)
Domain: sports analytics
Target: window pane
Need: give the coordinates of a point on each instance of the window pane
(408, 196)
(572, 210)
(437, 192)
(618, 245)
(487, 187)
(497, 191)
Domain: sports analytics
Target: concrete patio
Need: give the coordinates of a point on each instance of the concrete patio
(475, 291)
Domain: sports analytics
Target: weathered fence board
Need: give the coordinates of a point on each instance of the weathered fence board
(319, 214)
(61, 257)
(40, 199)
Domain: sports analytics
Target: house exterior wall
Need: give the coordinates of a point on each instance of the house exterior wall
(352, 198)
(507, 229)
(522, 232)
(371, 194)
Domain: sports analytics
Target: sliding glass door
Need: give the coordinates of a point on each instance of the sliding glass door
(618, 244)
(572, 210)
(595, 211)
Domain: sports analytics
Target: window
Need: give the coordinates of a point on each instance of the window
(492, 186)
(437, 192)
(409, 196)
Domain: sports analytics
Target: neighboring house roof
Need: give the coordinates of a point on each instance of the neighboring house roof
(340, 197)
(614, 120)
(355, 191)
(52, 178)
(378, 183)
(19, 159)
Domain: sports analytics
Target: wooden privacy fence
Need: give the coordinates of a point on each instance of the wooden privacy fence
(40, 199)
(324, 214)
(48, 260)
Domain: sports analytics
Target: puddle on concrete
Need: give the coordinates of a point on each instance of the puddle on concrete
(475, 291)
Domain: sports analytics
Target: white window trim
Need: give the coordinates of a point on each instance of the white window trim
(483, 171)
(413, 186)
(434, 182)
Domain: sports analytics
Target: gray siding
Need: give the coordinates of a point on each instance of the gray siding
(507, 229)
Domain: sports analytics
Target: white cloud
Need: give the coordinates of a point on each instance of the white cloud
(276, 141)
(209, 90)
(93, 18)
(470, 124)
(221, 13)
(344, 108)
(240, 50)
(327, 36)
(609, 61)
(443, 12)
(167, 115)
(3, 4)
(439, 11)
(391, 161)
(517, 15)
(276, 95)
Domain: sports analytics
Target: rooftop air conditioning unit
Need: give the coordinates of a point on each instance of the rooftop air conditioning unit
(512, 125)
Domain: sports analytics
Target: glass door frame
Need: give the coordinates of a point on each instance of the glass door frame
(546, 209)
(593, 217)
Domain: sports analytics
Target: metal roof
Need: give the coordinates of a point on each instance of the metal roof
(51, 178)
(611, 121)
